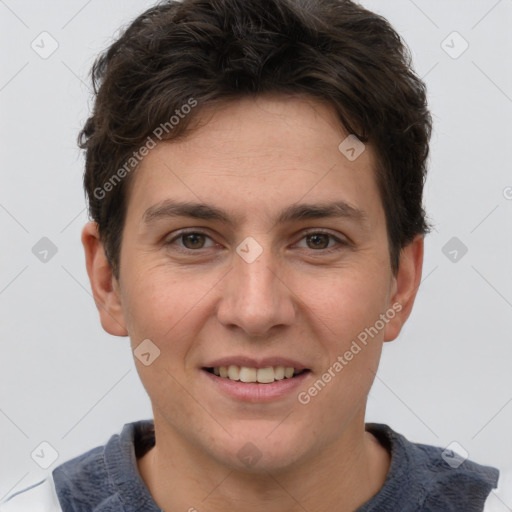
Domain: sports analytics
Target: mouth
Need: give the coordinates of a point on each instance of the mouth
(246, 374)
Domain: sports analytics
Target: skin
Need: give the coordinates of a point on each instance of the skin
(253, 158)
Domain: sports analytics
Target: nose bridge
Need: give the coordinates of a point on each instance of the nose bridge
(256, 281)
(255, 298)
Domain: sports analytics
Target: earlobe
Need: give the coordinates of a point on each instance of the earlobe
(407, 282)
(106, 294)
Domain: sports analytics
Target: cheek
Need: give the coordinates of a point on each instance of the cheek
(162, 300)
(345, 302)
(164, 308)
(340, 389)
(348, 312)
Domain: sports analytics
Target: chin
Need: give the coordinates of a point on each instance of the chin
(261, 450)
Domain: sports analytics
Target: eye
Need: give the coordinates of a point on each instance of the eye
(318, 240)
(190, 240)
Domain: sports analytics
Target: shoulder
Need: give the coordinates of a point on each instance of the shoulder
(500, 500)
(40, 497)
(434, 478)
(451, 479)
(74, 477)
(100, 478)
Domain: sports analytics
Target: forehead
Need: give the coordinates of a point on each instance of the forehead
(251, 155)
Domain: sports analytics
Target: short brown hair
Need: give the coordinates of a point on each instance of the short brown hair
(217, 50)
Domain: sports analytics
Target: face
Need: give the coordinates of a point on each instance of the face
(255, 243)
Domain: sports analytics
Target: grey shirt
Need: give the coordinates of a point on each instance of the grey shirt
(106, 478)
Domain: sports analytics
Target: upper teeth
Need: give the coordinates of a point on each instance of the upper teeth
(261, 375)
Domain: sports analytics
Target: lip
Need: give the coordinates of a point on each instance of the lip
(256, 363)
(254, 391)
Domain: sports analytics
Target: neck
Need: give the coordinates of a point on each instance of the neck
(344, 476)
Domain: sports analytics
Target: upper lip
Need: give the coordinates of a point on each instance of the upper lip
(251, 362)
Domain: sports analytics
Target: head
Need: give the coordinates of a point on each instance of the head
(287, 124)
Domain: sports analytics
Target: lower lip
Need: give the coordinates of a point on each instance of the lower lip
(254, 391)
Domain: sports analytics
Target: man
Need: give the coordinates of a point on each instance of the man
(254, 172)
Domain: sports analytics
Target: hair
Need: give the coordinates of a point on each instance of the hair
(202, 52)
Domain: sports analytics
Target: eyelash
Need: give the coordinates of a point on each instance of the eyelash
(341, 243)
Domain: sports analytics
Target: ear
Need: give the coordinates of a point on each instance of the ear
(405, 287)
(104, 286)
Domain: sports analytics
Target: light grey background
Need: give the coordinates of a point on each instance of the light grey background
(66, 382)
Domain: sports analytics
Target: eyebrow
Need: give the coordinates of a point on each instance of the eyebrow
(170, 208)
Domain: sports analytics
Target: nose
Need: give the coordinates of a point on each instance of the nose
(256, 297)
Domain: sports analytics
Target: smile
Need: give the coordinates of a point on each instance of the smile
(248, 374)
